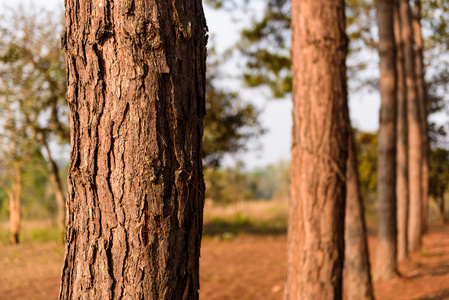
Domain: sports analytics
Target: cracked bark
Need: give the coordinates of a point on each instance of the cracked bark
(319, 151)
(136, 84)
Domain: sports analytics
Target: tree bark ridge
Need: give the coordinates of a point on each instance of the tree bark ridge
(136, 84)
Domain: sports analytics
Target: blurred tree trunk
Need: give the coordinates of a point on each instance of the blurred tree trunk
(136, 85)
(442, 209)
(55, 181)
(402, 142)
(357, 271)
(414, 131)
(386, 266)
(15, 195)
(422, 101)
(319, 151)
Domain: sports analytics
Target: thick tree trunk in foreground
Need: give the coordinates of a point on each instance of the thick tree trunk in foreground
(15, 203)
(401, 142)
(319, 151)
(57, 187)
(136, 84)
(422, 101)
(414, 131)
(386, 266)
(357, 271)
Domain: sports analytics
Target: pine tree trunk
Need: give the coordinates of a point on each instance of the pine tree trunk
(401, 143)
(414, 131)
(55, 181)
(136, 85)
(15, 197)
(386, 266)
(319, 151)
(356, 272)
(422, 101)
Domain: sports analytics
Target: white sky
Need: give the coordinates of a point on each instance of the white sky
(276, 116)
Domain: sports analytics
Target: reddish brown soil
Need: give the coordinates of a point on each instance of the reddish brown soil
(249, 267)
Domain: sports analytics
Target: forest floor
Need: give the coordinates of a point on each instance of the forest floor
(245, 266)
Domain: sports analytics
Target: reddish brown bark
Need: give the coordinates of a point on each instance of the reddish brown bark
(15, 203)
(414, 131)
(136, 84)
(386, 266)
(401, 143)
(319, 151)
(357, 271)
(422, 101)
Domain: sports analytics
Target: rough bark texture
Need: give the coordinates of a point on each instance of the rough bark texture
(414, 131)
(357, 271)
(319, 151)
(55, 181)
(422, 101)
(386, 266)
(15, 203)
(402, 142)
(136, 84)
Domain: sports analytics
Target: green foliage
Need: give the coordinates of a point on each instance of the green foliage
(32, 99)
(229, 122)
(439, 173)
(228, 185)
(37, 200)
(272, 181)
(32, 72)
(231, 185)
(366, 143)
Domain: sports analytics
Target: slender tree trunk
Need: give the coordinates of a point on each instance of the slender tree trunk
(422, 101)
(356, 272)
(414, 131)
(319, 151)
(386, 266)
(442, 209)
(136, 84)
(401, 143)
(15, 197)
(55, 181)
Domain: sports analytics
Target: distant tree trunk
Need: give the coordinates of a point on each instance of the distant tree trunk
(15, 197)
(136, 85)
(55, 181)
(442, 209)
(402, 142)
(356, 271)
(386, 266)
(414, 131)
(422, 101)
(319, 151)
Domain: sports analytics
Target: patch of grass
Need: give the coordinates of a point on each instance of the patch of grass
(41, 235)
(232, 225)
(32, 234)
